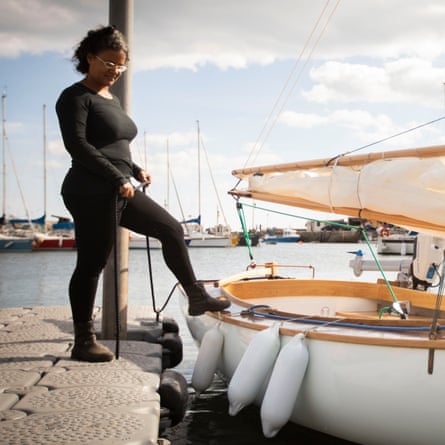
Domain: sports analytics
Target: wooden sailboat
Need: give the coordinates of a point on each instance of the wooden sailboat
(361, 361)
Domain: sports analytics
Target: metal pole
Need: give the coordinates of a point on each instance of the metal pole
(199, 171)
(44, 165)
(3, 216)
(121, 16)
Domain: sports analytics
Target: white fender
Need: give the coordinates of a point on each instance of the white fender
(284, 385)
(357, 264)
(207, 359)
(253, 368)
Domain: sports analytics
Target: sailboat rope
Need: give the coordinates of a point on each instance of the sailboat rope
(331, 178)
(345, 226)
(19, 185)
(439, 298)
(214, 183)
(242, 217)
(330, 188)
(347, 153)
(178, 198)
(253, 310)
(271, 122)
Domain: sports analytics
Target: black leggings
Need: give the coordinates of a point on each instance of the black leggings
(94, 221)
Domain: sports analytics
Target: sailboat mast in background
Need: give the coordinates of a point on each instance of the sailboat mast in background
(3, 217)
(199, 170)
(44, 166)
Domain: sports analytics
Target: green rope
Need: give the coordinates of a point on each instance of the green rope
(332, 223)
(240, 210)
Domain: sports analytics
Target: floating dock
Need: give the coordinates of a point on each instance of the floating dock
(47, 398)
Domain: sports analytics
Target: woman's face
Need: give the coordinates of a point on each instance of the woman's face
(106, 66)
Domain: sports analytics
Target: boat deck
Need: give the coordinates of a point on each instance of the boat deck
(303, 306)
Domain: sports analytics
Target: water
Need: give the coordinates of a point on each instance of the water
(41, 279)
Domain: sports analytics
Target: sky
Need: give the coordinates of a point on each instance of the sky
(269, 81)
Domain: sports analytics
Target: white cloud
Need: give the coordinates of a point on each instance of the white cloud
(351, 119)
(362, 125)
(374, 53)
(413, 80)
(56, 148)
(180, 34)
(38, 26)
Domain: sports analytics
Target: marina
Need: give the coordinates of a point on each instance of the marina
(330, 333)
(21, 286)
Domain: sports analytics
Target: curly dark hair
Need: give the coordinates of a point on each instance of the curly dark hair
(97, 40)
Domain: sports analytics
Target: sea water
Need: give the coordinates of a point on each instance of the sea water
(41, 279)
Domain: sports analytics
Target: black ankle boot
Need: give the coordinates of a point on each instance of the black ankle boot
(85, 346)
(200, 301)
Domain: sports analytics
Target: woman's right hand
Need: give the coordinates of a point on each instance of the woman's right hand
(126, 190)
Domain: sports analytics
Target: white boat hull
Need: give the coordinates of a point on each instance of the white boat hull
(139, 242)
(365, 399)
(360, 386)
(395, 245)
(209, 241)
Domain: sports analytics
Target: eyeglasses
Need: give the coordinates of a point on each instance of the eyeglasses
(113, 66)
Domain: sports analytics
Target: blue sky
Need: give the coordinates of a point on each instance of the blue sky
(378, 69)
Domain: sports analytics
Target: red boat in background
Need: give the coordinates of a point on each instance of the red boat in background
(61, 237)
(53, 242)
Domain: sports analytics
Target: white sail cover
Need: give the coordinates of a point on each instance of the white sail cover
(406, 191)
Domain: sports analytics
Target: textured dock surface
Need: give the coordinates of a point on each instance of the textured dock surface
(47, 398)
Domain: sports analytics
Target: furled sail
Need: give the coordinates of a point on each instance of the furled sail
(405, 187)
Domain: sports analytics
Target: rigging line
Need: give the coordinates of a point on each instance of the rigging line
(425, 124)
(306, 218)
(357, 190)
(344, 225)
(213, 182)
(322, 323)
(439, 298)
(298, 77)
(22, 195)
(242, 218)
(278, 99)
(330, 187)
(178, 198)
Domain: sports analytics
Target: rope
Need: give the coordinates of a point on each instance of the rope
(258, 146)
(385, 139)
(19, 185)
(156, 310)
(434, 325)
(252, 310)
(117, 213)
(150, 275)
(240, 210)
(347, 226)
(439, 298)
(306, 218)
(215, 188)
(331, 179)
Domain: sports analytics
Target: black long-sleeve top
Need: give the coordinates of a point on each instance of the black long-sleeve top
(97, 133)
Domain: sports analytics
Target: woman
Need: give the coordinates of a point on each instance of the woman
(97, 134)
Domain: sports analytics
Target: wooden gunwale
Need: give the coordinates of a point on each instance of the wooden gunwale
(271, 288)
(241, 291)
